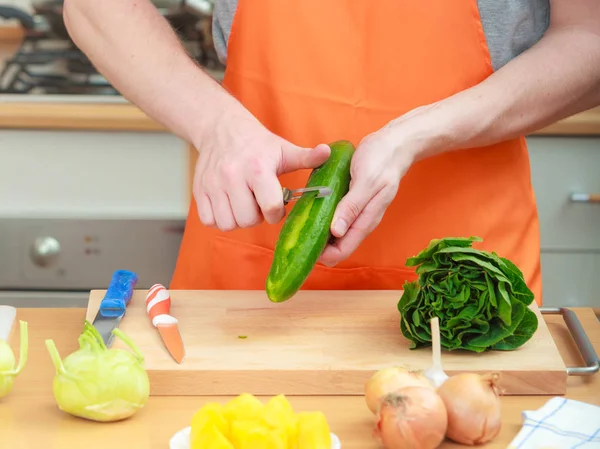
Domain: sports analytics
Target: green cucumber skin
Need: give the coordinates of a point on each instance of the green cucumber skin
(306, 230)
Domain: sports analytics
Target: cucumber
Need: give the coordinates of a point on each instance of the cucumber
(306, 230)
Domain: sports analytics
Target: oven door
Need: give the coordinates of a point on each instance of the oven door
(77, 205)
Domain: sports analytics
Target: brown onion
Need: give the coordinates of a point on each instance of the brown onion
(473, 405)
(388, 380)
(411, 418)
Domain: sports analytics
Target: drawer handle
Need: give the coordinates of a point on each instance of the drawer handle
(581, 340)
(585, 197)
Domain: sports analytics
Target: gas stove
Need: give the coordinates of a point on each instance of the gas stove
(51, 67)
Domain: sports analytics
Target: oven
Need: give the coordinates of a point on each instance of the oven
(73, 212)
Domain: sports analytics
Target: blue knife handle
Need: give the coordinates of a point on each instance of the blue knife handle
(119, 293)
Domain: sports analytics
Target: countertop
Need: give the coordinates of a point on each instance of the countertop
(30, 418)
(127, 117)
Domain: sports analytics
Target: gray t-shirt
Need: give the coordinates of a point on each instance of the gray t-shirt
(510, 26)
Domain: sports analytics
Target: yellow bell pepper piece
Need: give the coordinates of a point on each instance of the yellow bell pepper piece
(209, 437)
(278, 411)
(263, 438)
(244, 406)
(279, 415)
(313, 431)
(246, 423)
(245, 429)
(212, 415)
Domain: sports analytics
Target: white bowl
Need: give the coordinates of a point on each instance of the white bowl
(181, 440)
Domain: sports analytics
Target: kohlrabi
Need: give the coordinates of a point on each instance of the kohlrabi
(8, 368)
(98, 383)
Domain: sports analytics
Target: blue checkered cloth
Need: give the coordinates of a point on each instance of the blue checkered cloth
(560, 424)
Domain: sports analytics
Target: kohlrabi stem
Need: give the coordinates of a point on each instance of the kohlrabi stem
(91, 339)
(129, 342)
(86, 341)
(95, 339)
(23, 348)
(55, 356)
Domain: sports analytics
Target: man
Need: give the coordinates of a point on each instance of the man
(437, 96)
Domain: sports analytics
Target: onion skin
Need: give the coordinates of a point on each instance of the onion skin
(389, 380)
(411, 418)
(474, 407)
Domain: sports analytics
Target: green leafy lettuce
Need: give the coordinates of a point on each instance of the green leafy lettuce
(481, 299)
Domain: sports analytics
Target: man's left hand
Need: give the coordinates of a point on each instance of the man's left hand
(379, 163)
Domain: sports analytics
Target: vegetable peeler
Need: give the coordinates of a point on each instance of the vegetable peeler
(292, 195)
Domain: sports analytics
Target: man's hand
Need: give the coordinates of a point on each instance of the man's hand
(379, 163)
(235, 184)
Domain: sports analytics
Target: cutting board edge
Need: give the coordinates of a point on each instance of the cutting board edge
(320, 383)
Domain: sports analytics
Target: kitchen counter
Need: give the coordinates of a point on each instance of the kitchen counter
(30, 418)
(75, 116)
(78, 115)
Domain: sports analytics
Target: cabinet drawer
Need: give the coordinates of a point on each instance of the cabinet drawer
(560, 167)
(571, 279)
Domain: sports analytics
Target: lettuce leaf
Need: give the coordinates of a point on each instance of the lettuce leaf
(481, 299)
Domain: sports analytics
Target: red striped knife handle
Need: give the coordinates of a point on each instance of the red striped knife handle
(158, 305)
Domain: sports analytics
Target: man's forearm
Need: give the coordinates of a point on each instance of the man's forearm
(135, 48)
(556, 78)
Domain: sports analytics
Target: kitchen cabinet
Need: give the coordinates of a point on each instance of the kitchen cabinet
(570, 231)
(93, 174)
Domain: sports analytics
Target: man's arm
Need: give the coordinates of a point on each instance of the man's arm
(557, 77)
(135, 48)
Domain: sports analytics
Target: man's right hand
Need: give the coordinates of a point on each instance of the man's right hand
(235, 184)
(136, 49)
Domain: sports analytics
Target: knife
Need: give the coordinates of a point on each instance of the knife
(7, 320)
(158, 306)
(291, 195)
(113, 305)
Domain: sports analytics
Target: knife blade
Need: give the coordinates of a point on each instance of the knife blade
(158, 307)
(114, 304)
(7, 320)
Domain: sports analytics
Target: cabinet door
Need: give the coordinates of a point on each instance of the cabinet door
(570, 231)
(561, 167)
(93, 174)
(571, 279)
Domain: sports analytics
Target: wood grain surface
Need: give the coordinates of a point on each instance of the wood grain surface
(319, 342)
(29, 417)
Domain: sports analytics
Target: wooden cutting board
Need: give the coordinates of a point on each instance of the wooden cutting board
(317, 343)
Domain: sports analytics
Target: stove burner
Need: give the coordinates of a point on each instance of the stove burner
(45, 65)
(51, 66)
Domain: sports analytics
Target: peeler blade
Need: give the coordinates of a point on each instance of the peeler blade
(292, 195)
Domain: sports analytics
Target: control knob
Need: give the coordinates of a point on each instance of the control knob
(45, 251)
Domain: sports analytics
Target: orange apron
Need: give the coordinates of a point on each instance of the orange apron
(315, 71)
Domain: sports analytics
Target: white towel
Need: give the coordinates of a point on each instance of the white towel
(560, 424)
